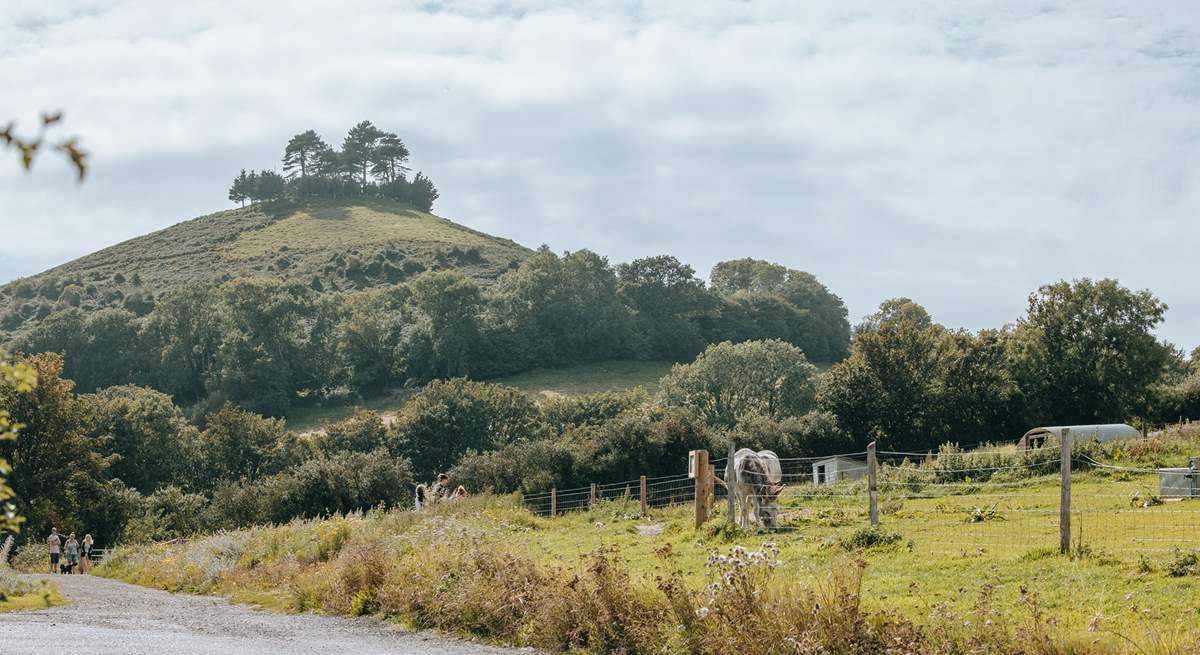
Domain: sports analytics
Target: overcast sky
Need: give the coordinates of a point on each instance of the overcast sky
(959, 153)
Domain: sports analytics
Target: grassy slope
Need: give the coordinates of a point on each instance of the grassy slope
(295, 241)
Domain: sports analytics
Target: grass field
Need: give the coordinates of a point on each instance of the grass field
(613, 375)
(934, 561)
(573, 380)
(336, 228)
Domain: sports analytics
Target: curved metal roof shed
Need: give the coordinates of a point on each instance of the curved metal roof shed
(1106, 432)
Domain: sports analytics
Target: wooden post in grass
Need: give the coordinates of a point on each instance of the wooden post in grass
(872, 491)
(709, 490)
(642, 493)
(700, 462)
(730, 474)
(1064, 502)
(553, 502)
(592, 497)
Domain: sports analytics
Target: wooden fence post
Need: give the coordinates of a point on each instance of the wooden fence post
(701, 461)
(709, 490)
(592, 497)
(643, 486)
(730, 480)
(872, 489)
(1064, 502)
(553, 502)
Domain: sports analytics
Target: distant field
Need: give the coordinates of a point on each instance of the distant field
(589, 378)
(307, 418)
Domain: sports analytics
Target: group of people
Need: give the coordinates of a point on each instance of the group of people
(78, 553)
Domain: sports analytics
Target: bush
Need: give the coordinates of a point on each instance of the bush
(869, 538)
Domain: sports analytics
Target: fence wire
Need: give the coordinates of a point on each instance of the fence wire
(1000, 500)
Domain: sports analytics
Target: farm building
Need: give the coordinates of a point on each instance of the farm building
(1108, 432)
(838, 468)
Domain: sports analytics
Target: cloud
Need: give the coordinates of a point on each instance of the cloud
(959, 153)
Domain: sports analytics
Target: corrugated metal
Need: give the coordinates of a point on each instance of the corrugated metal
(1180, 482)
(1105, 432)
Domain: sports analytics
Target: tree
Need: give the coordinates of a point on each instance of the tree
(182, 336)
(15, 378)
(269, 186)
(666, 299)
(388, 158)
(370, 337)
(240, 190)
(823, 331)
(154, 444)
(53, 464)
(448, 305)
(240, 445)
(423, 192)
(261, 360)
(729, 382)
(888, 388)
(448, 418)
(1085, 352)
(358, 149)
(303, 154)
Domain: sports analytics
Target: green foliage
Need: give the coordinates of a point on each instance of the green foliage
(53, 461)
(1086, 352)
(448, 330)
(448, 418)
(240, 444)
(15, 378)
(152, 441)
(870, 538)
(362, 432)
(729, 382)
(1183, 564)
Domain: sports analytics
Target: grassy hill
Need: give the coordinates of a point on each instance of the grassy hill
(325, 244)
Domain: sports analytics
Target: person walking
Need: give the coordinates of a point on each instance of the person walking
(72, 553)
(55, 544)
(86, 554)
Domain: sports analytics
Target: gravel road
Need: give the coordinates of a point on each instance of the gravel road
(105, 617)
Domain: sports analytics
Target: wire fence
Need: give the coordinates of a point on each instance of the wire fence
(999, 499)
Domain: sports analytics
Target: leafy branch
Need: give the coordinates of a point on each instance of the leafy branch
(30, 149)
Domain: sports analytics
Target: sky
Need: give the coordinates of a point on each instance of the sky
(960, 153)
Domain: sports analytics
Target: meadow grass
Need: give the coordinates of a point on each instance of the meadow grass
(331, 227)
(448, 568)
(613, 375)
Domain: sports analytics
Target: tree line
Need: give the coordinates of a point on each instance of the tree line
(125, 461)
(266, 344)
(371, 162)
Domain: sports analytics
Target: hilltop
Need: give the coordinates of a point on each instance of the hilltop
(327, 244)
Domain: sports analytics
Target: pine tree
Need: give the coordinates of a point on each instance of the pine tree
(389, 158)
(252, 187)
(302, 154)
(271, 185)
(237, 192)
(358, 150)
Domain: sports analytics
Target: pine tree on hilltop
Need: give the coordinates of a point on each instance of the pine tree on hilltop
(387, 162)
(303, 154)
(359, 149)
(238, 192)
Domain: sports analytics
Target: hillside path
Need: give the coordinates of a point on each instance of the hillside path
(104, 617)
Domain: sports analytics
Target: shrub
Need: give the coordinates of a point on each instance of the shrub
(1183, 564)
(869, 538)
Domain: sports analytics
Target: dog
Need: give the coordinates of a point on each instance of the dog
(758, 481)
(66, 568)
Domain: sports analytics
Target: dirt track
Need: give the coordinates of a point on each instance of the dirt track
(106, 617)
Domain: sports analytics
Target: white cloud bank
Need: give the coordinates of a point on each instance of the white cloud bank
(960, 153)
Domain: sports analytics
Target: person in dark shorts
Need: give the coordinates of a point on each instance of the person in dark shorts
(55, 544)
(85, 554)
(72, 547)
